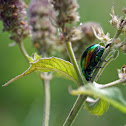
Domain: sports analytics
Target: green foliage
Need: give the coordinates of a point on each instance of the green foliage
(30, 59)
(35, 57)
(17, 105)
(98, 107)
(60, 66)
(111, 95)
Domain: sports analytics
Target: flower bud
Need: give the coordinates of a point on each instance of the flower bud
(101, 36)
(122, 72)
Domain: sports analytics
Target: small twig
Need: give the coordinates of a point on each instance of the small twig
(114, 83)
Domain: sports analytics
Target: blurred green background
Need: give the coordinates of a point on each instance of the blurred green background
(21, 103)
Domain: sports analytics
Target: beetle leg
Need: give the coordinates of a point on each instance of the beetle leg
(109, 44)
(99, 67)
(89, 79)
(103, 60)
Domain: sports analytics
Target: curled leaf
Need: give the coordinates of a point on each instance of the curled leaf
(111, 95)
(97, 107)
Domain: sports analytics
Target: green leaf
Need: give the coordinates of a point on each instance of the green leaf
(50, 64)
(112, 95)
(33, 58)
(36, 56)
(98, 107)
(30, 59)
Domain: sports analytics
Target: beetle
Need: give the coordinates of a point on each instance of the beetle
(90, 59)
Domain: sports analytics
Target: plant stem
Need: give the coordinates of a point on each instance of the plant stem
(113, 83)
(23, 50)
(46, 85)
(74, 62)
(75, 110)
(81, 98)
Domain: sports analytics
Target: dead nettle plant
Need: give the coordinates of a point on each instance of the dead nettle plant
(53, 30)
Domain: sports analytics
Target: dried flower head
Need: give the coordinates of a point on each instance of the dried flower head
(86, 37)
(87, 31)
(122, 72)
(122, 47)
(101, 36)
(124, 10)
(66, 11)
(119, 45)
(12, 13)
(43, 32)
(116, 41)
(72, 34)
(117, 22)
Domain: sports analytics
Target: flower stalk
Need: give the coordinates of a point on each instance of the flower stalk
(75, 110)
(114, 83)
(81, 98)
(46, 85)
(74, 62)
(23, 50)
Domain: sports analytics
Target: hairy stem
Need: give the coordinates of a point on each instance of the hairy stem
(23, 50)
(81, 99)
(46, 85)
(111, 84)
(74, 62)
(75, 110)
(114, 83)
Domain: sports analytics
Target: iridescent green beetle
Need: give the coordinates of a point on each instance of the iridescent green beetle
(90, 58)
